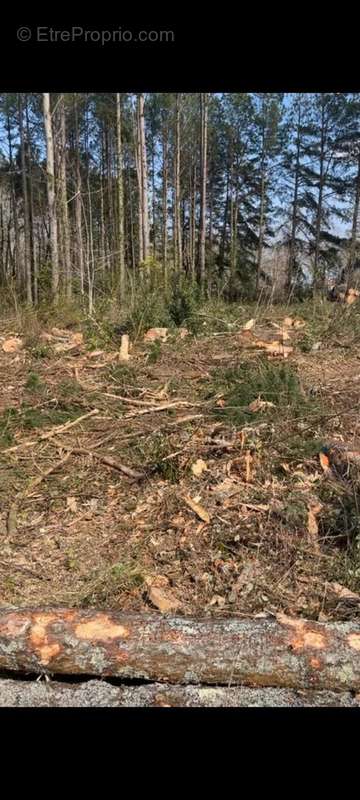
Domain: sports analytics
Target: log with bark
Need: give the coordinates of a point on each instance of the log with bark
(282, 652)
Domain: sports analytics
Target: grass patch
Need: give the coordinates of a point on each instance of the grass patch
(341, 519)
(122, 375)
(34, 383)
(69, 389)
(153, 452)
(240, 386)
(154, 352)
(7, 424)
(41, 351)
(297, 447)
(100, 335)
(30, 418)
(106, 587)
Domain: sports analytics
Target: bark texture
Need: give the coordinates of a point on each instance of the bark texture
(289, 653)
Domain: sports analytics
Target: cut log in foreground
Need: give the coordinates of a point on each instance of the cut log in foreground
(99, 694)
(289, 653)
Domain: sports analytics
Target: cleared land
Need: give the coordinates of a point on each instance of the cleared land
(191, 478)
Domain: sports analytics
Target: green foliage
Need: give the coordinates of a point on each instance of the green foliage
(69, 389)
(29, 418)
(153, 452)
(108, 584)
(41, 351)
(148, 310)
(275, 383)
(44, 280)
(342, 518)
(157, 306)
(34, 383)
(154, 352)
(153, 268)
(184, 302)
(99, 334)
(122, 375)
(32, 418)
(294, 512)
(7, 420)
(295, 447)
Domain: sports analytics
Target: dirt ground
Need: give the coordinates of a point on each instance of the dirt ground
(158, 484)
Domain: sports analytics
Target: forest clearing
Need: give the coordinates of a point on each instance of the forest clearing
(179, 402)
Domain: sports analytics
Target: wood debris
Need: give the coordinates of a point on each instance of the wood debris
(197, 508)
(12, 345)
(156, 333)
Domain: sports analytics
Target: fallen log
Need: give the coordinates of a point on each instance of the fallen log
(286, 652)
(99, 694)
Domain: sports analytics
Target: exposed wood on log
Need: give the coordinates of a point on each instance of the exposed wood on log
(290, 653)
(99, 694)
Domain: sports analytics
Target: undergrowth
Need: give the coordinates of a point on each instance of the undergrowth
(29, 418)
(241, 385)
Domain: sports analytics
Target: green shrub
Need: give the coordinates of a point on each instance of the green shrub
(184, 303)
(154, 352)
(34, 383)
(275, 383)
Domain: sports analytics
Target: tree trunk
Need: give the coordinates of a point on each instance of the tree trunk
(16, 258)
(90, 262)
(164, 200)
(65, 226)
(144, 182)
(177, 196)
(203, 108)
(226, 212)
(51, 196)
(27, 254)
(153, 198)
(192, 224)
(120, 193)
(78, 204)
(137, 150)
(261, 223)
(109, 197)
(100, 694)
(211, 214)
(288, 653)
(292, 246)
(131, 222)
(34, 265)
(355, 222)
(233, 248)
(319, 275)
(103, 258)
